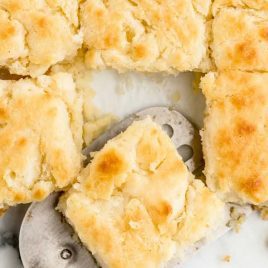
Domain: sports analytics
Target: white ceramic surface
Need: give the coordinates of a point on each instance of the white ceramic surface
(127, 93)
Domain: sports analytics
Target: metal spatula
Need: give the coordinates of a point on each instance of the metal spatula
(47, 241)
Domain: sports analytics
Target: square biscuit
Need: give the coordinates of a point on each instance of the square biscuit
(146, 35)
(240, 36)
(40, 137)
(137, 205)
(36, 34)
(235, 135)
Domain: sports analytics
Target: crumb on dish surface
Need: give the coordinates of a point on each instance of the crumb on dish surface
(263, 212)
(237, 218)
(227, 258)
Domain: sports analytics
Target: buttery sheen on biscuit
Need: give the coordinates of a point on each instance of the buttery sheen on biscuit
(235, 135)
(240, 35)
(35, 34)
(137, 205)
(146, 35)
(40, 137)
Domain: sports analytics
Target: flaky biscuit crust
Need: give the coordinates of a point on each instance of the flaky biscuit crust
(240, 35)
(137, 205)
(235, 135)
(40, 137)
(146, 35)
(37, 34)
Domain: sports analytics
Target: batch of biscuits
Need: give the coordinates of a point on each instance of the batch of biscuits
(136, 204)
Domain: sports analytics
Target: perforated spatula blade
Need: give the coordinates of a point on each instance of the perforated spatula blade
(47, 241)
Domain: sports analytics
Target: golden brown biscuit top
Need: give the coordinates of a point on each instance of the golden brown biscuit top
(145, 35)
(39, 150)
(137, 205)
(132, 161)
(235, 135)
(240, 39)
(37, 34)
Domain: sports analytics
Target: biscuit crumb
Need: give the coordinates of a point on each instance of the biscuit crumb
(263, 212)
(227, 258)
(2, 211)
(95, 127)
(237, 219)
(175, 96)
(196, 81)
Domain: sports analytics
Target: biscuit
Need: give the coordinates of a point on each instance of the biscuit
(137, 205)
(40, 137)
(246, 4)
(235, 135)
(240, 36)
(37, 34)
(148, 36)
